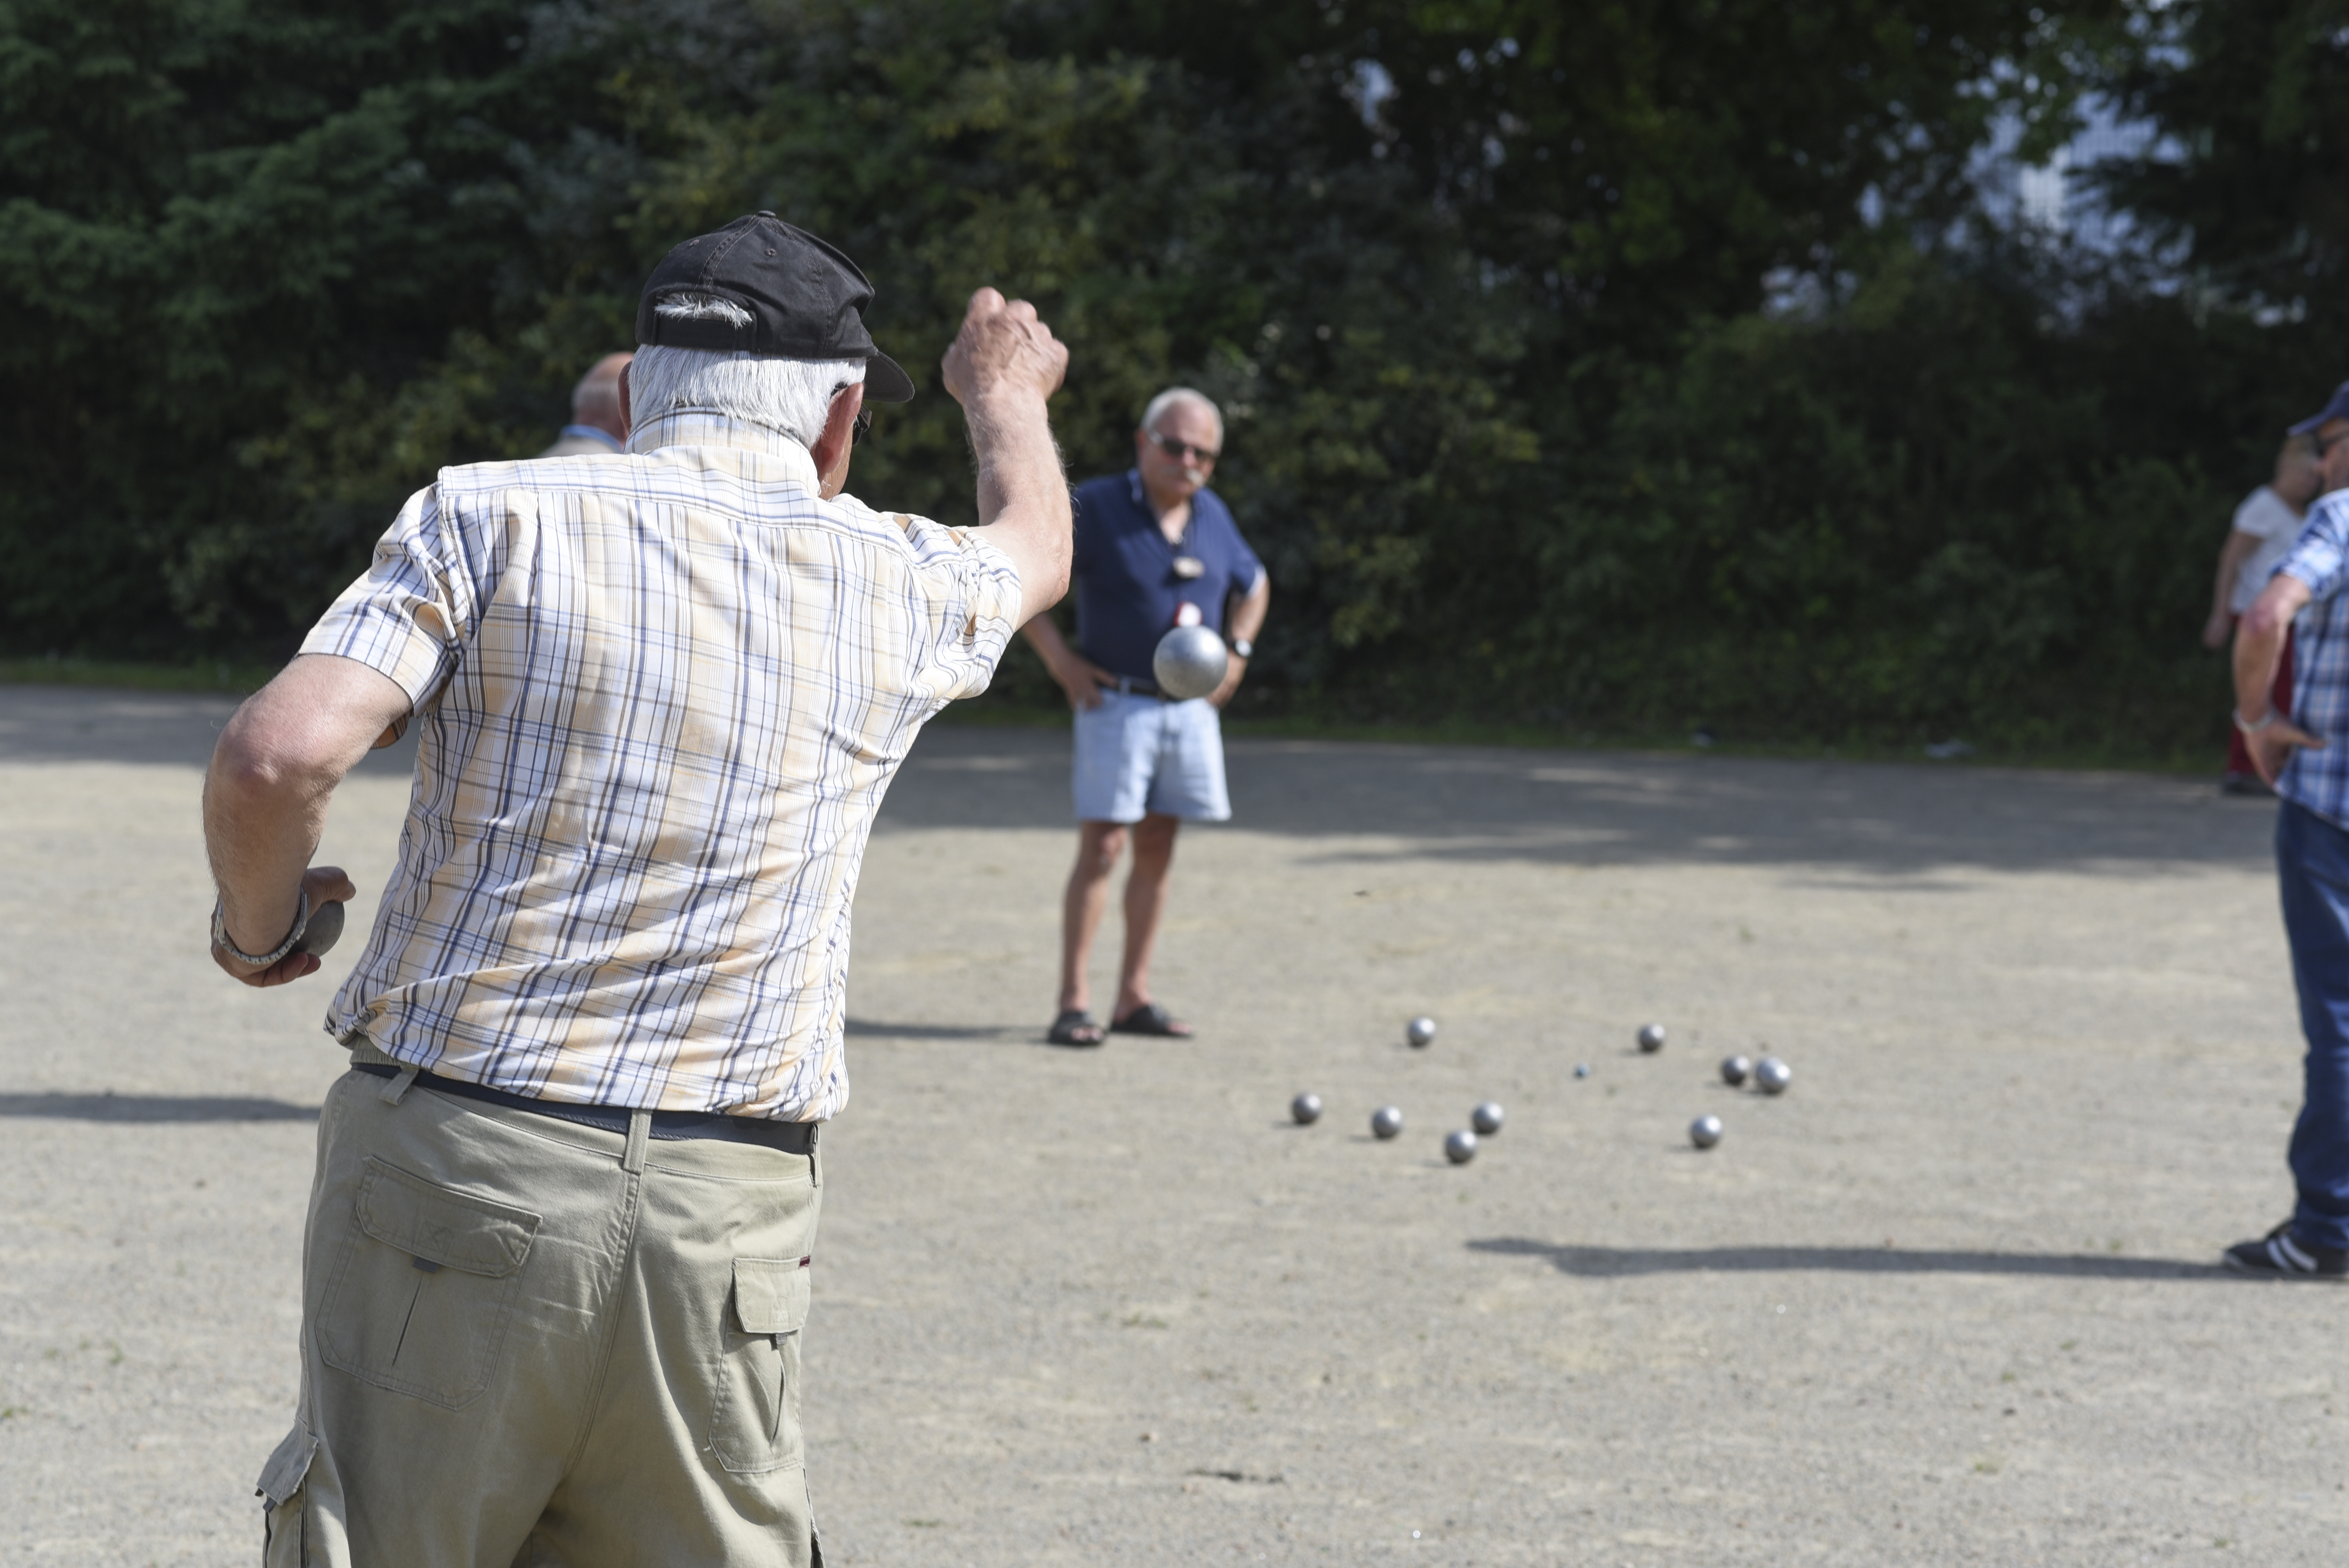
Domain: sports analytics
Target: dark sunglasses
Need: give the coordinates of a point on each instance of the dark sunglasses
(863, 428)
(1181, 451)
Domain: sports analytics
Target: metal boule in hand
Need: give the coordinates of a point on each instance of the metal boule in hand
(325, 928)
(1191, 661)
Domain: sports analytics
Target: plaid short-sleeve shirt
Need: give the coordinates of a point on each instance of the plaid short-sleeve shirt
(2320, 661)
(660, 694)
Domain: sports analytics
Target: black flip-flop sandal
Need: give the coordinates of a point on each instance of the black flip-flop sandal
(1150, 1018)
(1075, 1028)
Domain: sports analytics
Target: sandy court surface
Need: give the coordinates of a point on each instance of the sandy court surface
(1949, 1301)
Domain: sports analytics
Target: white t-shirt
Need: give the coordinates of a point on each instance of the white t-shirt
(2266, 518)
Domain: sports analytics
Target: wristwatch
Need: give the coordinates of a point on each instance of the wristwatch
(221, 938)
(1242, 647)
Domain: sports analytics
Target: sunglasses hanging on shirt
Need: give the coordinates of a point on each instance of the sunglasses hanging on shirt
(1189, 567)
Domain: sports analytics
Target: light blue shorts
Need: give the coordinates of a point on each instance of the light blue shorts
(1138, 755)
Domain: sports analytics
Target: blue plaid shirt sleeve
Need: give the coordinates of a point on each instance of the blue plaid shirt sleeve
(408, 616)
(2320, 557)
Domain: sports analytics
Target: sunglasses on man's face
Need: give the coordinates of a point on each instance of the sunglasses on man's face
(862, 428)
(1182, 451)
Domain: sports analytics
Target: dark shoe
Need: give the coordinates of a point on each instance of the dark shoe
(1074, 1028)
(2279, 1257)
(1150, 1018)
(2243, 784)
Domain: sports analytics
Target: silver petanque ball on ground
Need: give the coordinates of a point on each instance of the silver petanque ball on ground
(1705, 1131)
(1486, 1119)
(1772, 1076)
(1306, 1109)
(1582, 1070)
(1420, 1031)
(1461, 1147)
(1386, 1121)
(1651, 1038)
(1735, 1070)
(1190, 662)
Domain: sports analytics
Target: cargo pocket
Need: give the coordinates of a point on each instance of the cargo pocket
(421, 1296)
(754, 1421)
(284, 1523)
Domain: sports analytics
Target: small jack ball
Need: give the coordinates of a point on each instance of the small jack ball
(1651, 1038)
(1461, 1147)
(1735, 1070)
(1705, 1131)
(1306, 1109)
(1386, 1121)
(1486, 1119)
(1582, 1070)
(1419, 1032)
(1772, 1076)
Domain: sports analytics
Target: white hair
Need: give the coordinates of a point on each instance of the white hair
(792, 396)
(1174, 394)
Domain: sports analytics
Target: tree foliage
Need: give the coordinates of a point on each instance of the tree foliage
(1610, 363)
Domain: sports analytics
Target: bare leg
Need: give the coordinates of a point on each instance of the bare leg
(1145, 905)
(1099, 847)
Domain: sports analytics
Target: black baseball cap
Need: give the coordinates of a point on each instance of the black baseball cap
(805, 301)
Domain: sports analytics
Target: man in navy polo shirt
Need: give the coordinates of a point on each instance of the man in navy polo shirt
(1155, 549)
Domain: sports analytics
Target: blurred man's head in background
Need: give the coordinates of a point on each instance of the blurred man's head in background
(596, 399)
(1182, 435)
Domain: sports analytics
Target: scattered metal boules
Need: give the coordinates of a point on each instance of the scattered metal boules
(1461, 1147)
(1419, 1032)
(1735, 1070)
(1486, 1119)
(1705, 1131)
(1772, 1076)
(1386, 1121)
(1306, 1109)
(1651, 1038)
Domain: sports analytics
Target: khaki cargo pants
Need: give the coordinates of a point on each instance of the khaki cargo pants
(527, 1342)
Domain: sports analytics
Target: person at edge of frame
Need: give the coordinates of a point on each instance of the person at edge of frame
(2264, 527)
(599, 419)
(2294, 748)
(560, 1243)
(1155, 549)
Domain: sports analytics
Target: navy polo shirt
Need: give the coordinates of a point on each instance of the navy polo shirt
(1128, 593)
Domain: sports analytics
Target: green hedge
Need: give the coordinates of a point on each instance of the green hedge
(1513, 419)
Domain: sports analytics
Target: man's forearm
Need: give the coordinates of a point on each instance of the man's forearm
(261, 827)
(2259, 643)
(1248, 615)
(1023, 490)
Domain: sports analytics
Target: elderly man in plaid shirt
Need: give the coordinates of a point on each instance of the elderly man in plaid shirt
(560, 1240)
(2293, 750)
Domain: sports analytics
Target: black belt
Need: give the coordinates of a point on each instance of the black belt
(670, 1126)
(1132, 687)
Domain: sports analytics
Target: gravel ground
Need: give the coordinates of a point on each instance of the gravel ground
(1947, 1301)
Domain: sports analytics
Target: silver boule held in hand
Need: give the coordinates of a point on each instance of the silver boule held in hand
(1191, 661)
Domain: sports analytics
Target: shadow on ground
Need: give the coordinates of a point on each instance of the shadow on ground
(1867, 821)
(1601, 1263)
(151, 1108)
(1012, 1032)
(1369, 804)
